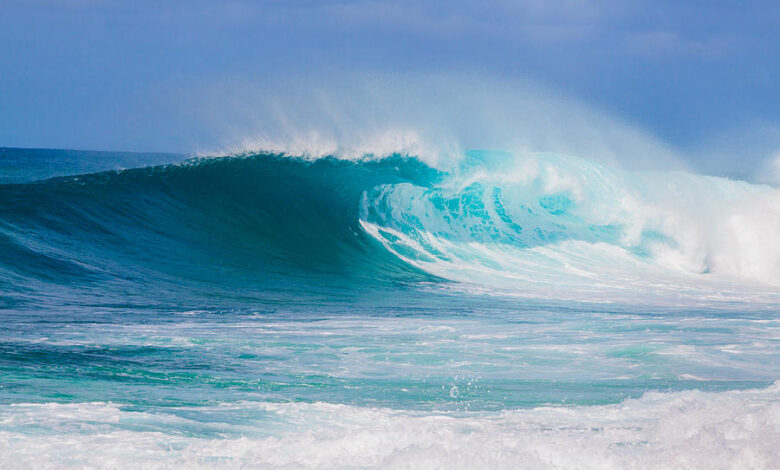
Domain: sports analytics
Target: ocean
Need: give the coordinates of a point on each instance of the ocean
(499, 310)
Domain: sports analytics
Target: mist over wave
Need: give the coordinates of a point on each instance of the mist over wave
(436, 117)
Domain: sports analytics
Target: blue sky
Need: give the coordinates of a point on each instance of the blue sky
(698, 76)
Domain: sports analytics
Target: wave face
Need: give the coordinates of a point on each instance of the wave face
(242, 224)
(539, 226)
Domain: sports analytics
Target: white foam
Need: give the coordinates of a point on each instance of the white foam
(708, 237)
(684, 430)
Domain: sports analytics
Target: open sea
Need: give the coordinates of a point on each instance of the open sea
(262, 310)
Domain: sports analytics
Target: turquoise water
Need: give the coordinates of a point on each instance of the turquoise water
(270, 311)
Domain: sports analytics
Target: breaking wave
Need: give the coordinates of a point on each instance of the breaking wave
(538, 225)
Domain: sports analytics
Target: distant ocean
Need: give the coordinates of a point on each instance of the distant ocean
(263, 310)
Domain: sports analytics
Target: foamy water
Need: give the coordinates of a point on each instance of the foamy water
(682, 430)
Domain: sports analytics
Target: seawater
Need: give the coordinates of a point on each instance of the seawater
(274, 311)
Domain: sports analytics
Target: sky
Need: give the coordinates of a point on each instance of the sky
(697, 78)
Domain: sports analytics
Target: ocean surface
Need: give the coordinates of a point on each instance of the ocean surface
(262, 310)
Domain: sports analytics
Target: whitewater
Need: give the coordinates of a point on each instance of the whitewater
(294, 309)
